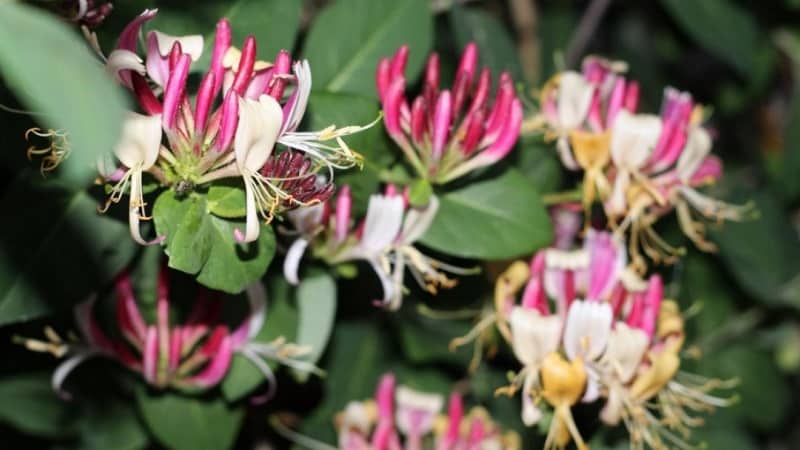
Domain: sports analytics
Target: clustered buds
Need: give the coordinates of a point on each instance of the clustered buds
(402, 418)
(447, 133)
(191, 355)
(640, 166)
(587, 328)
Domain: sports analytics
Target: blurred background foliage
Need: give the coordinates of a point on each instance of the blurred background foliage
(741, 58)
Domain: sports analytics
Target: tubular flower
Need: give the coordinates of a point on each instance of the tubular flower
(192, 356)
(384, 238)
(588, 328)
(579, 110)
(640, 166)
(448, 133)
(243, 120)
(399, 412)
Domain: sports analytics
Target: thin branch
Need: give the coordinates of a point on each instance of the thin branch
(525, 16)
(588, 25)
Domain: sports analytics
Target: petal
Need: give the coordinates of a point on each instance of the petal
(65, 369)
(698, 146)
(150, 355)
(382, 224)
(252, 226)
(257, 132)
(574, 98)
(417, 221)
(157, 65)
(299, 102)
(392, 291)
(120, 61)
(587, 329)
(134, 210)
(531, 414)
(533, 336)
(292, 260)
(130, 35)
(633, 138)
(140, 140)
(626, 348)
(190, 44)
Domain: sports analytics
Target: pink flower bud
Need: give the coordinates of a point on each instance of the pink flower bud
(382, 78)
(441, 124)
(344, 203)
(246, 64)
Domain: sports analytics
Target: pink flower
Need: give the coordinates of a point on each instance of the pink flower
(384, 238)
(448, 133)
(240, 115)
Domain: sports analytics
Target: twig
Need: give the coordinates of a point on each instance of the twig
(525, 16)
(586, 28)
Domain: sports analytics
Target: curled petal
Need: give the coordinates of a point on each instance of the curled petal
(574, 99)
(191, 45)
(292, 261)
(418, 221)
(299, 101)
(698, 146)
(533, 335)
(633, 138)
(382, 224)
(65, 369)
(257, 132)
(140, 141)
(121, 62)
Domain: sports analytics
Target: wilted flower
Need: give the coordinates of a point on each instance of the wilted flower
(403, 418)
(447, 133)
(193, 355)
(611, 336)
(384, 238)
(88, 13)
(243, 108)
(53, 154)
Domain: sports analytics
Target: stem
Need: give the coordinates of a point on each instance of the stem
(562, 197)
(525, 15)
(589, 22)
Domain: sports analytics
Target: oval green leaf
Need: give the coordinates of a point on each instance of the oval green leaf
(499, 218)
(349, 38)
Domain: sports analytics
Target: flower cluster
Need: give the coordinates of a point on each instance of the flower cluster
(192, 356)
(384, 239)
(243, 108)
(448, 133)
(379, 424)
(640, 166)
(587, 328)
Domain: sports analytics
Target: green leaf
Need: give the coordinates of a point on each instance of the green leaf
(242, 377)
(55, 249)
(764, 253)
(358, 355)
(349, 37)
(53, 73)
(539, 163)
(226, 201)
(425, 340)
(721, 27)
(316, 304)
(274, 24)
(181, 422)
(497, 49)
(499, 218)
(30, 405)
(110, 424)
(201, 244)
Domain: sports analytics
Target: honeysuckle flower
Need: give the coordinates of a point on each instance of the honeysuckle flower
(191, 356)
(404, 419)
(579, 110)
(656, 169)
(448, 133)
(584, 326)
(384, 239)
(244, 119)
